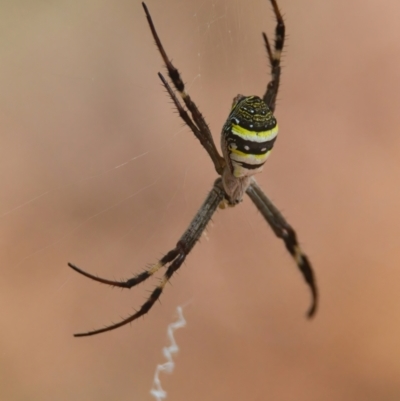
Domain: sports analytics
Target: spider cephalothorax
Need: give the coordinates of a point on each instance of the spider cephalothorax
(246, 140)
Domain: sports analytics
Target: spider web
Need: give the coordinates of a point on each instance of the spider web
(97, 169)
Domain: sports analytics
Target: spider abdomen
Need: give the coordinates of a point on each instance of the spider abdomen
(248, 136)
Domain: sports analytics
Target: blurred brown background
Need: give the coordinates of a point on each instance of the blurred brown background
(97, 169)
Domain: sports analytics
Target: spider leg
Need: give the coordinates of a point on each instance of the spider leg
(175, 258)
(175, 265)
(169, 257)
(274, 58)
(283, 230)
(185, 116)
(202, 131)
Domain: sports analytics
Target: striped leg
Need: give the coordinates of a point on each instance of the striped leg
(174, 258)
(283, 230)
(274, 58)
(168, 258)
(199, 127)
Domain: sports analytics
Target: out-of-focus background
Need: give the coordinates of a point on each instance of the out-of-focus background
(97, 169)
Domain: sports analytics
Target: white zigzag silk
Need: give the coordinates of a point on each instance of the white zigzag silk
(157, 391)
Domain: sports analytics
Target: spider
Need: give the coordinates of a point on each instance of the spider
(247, 138)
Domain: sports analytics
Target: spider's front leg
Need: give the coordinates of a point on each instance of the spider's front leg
(284, 231)
(173, 258)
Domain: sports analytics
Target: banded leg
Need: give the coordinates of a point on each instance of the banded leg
(174, 258)
(201, 129)
(182, 112)
(274, 58)
(283, 230)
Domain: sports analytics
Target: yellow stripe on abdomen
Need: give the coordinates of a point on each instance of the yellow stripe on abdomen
(254, 136)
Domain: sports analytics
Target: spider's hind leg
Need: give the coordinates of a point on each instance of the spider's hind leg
(197, 123)
(274, 57)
